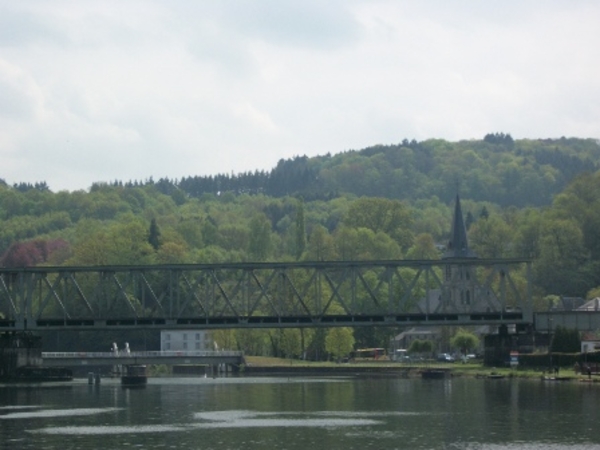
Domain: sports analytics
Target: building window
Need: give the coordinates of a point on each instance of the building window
(185, 336)
(185, 345)
(168, 346)
(197, 345)
(168, 337)
(197, 336)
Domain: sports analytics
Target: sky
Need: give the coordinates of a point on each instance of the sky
(97, 91)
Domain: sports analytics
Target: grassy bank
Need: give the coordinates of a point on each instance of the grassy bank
(472, 369)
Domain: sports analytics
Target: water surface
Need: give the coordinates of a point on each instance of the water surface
(302, 413)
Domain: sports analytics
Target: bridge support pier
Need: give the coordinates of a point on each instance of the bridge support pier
(18, 349)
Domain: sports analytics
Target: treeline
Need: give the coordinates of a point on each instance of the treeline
(496, 169)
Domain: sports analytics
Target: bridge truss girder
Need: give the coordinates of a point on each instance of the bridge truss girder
(267, 295)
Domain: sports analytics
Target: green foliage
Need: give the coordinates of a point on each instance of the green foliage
(260, 245)
(339, 342)
(491, 237)
(321, 246)
(300, 230)
(372, 337)
(381, 215)
(421, 346)
(363, 244)
(423, 248)
(382, 202)
(290, 342)
(464, 341)
(154, 235)
(565, 340)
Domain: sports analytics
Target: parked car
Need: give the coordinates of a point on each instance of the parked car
(445, 357)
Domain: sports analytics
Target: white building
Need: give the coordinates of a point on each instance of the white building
(186, 340)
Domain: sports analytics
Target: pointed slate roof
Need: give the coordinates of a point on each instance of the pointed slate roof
(458, 246)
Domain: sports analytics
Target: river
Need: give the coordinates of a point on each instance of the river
(302, 413)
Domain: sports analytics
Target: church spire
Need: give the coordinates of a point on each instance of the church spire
(458, 246)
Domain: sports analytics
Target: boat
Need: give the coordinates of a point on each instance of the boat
(135, 375)
(495, 376)
(547, 378)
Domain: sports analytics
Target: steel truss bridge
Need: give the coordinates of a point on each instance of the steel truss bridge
(267, 295)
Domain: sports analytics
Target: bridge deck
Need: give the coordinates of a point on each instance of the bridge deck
(151, 357)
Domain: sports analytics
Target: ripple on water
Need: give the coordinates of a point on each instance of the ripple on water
(522, 446)
(51, 413)
(254, 419)
(13, 407)
(221, 419)
(106, 430)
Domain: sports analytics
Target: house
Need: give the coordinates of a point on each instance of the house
(590, 342)
(591, 305)
(404, 339)
(567, 304)
(590, 345)
(185, 340)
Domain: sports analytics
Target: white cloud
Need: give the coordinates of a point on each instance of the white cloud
(128, 89)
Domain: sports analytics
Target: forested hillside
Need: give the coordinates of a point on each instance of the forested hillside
(538, 199)
(496, 169)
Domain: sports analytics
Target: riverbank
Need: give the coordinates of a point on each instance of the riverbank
(276, 366)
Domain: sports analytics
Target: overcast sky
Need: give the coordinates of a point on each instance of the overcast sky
(103, 90)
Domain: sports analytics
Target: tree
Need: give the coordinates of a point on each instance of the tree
(464, 341)
(491, 238)
(300, 229)
(123, 243)
(321, 246)
(423, 248)
(154, 235)
(260, 243)
(339, 342)
(365, 244)
(565, 340)
(290, 342)
(420, 346)
(171, 253)
(391, 217)
(251, 341)
(559, 269)
(32, 253)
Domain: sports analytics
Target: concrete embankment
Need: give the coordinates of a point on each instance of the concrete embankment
(341, 370)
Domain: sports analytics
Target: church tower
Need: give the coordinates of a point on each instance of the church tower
(459, 279)
(458, 246)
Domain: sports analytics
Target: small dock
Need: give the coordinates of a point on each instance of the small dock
(135, 376)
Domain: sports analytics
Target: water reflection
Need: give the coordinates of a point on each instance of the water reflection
(54, 413)
(303, 413)
(225, 419)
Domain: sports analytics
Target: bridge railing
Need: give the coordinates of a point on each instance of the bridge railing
(146, 354)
